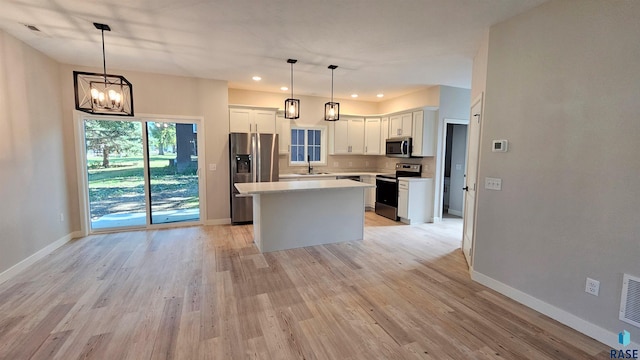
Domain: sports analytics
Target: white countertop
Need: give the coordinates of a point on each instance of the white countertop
(414, 178)
(286, 186)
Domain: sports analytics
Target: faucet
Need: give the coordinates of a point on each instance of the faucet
(309, 161)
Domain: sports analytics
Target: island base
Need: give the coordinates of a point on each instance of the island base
(289, 220)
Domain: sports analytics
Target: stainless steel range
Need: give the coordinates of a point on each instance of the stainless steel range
(387, 189)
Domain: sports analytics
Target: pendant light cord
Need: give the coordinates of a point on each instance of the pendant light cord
(332, 85)
(292, 80)
(104, 60)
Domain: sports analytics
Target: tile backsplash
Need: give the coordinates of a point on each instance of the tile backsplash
(351, 163)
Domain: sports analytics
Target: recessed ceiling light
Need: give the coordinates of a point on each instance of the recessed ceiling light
(354, 95)
(256, 78)
(380, 95)
(284, 88)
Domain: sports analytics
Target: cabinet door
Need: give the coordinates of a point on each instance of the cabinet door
(395, 126)
(372, 136)
(384, 134)
(239, 120)
(407, 122)
(424, 133)
(369, 194)
(417, 133)
(403, 202)
(341, 137)
(264, 121)
(356, 135)
(283, 127)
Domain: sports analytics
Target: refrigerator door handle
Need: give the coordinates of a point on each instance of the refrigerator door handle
(258, 152)
(254, 159)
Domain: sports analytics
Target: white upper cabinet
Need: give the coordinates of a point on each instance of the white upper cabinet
(283, 129)
(372, 136)
(400, 125)
(247, 120)
(348, 136)
(264, 121)
(239, 120)
(384, 134)
(424, 133)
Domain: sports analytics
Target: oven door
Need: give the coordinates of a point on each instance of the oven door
(387, 198)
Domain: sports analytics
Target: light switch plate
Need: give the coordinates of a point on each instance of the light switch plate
(212, 167)
(493, 183)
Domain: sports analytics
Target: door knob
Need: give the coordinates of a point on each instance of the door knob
(466, 188)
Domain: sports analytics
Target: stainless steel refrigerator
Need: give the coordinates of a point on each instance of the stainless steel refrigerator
(253, 158)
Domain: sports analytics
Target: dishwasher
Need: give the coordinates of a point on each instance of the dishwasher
(348, 177)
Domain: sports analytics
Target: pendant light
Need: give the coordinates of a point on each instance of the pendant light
(291, 105)
(332, 109)
(103, 94)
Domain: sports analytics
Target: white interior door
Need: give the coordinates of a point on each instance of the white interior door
(471, 179)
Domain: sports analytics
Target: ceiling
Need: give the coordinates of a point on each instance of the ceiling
(380, 46)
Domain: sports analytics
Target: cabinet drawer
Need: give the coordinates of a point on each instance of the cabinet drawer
(403, 185)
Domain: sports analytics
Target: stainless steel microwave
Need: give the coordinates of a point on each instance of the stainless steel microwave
(398, 147)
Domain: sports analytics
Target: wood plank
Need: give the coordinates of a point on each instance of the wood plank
(205, 292)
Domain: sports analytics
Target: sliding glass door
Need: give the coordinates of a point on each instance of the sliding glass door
(173, 172)
(141, 173)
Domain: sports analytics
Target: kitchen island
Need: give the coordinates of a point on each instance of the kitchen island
(295, 214)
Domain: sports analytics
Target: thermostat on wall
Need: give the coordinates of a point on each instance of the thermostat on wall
(500, 145)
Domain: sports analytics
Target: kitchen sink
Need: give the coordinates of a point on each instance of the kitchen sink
(317, 173)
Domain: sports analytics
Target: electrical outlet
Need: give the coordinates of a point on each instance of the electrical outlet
(366, 163)
(336, 164)
(350, 164)
(592, 287)
(212, 167)
(61, 217)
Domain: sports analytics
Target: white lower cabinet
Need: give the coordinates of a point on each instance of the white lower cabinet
(369, 194)
(415, 200)
(403, 199)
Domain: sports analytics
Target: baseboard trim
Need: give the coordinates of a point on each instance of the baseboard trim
(594, 331)
(454, 212)
(33, 258)
(218, 221)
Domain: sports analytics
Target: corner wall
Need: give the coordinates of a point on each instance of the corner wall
(33, 185)
(562, 86)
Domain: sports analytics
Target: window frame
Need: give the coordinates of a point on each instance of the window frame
(323, 145)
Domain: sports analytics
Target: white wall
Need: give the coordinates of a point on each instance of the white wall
(562, 86)
(425, 97)
(455, 103)
(168, 95)
(33, 188)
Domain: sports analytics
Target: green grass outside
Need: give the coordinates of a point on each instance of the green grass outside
(120, 188)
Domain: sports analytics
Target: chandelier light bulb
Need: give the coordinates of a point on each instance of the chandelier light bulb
(94, 93)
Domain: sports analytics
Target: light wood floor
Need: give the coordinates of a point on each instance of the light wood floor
(207, 293)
